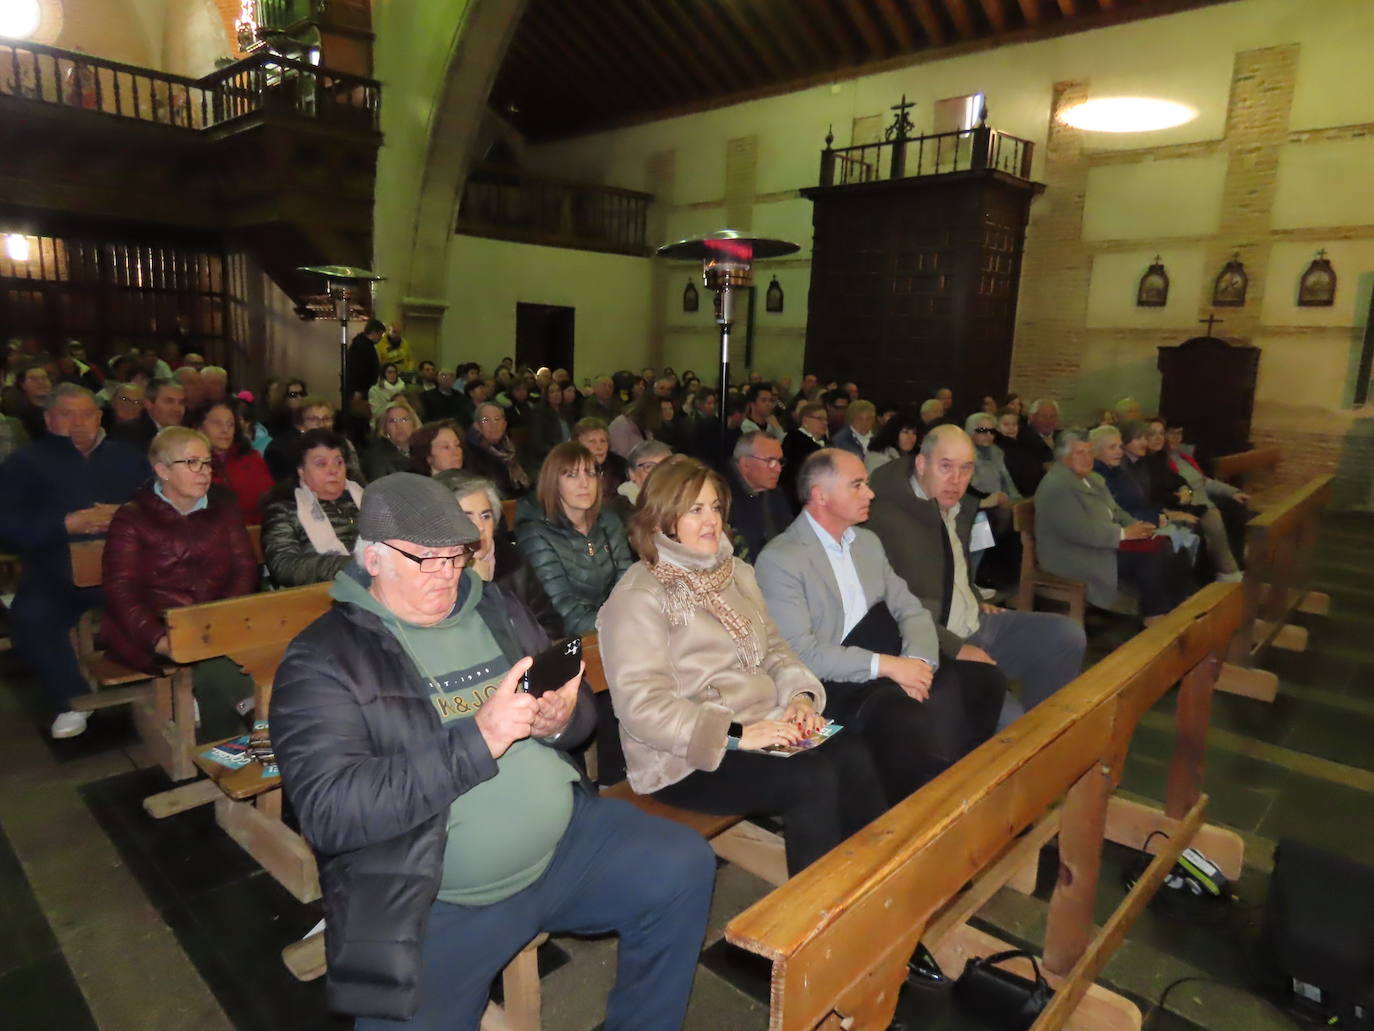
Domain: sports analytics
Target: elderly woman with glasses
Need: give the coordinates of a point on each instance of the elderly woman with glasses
(497, 560)
(311, 524)
(577, 546)
(493, 453)
(389, 452)
(179, 541)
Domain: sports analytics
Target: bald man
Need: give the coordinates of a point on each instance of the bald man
(923, 514)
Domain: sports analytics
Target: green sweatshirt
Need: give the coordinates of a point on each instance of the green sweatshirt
(503, 832)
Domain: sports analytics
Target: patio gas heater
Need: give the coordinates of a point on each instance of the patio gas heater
(727, 265)
(342, 281)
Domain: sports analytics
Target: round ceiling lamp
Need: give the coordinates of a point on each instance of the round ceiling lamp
(19, 19)
(1126, 114)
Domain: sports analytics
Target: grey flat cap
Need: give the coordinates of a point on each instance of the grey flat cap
(414, 508)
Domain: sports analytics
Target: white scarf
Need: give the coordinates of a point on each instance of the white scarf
(316, 524)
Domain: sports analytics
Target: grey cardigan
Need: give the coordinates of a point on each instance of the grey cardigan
(803, 598)
(1078, 528)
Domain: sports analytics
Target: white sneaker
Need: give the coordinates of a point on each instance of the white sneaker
(70, 724)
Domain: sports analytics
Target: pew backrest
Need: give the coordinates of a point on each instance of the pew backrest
(1236, 468)
(87, 557)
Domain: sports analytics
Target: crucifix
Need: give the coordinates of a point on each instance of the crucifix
(901, 124)
(1210, 319)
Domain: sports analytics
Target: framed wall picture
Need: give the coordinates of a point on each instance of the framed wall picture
(1153, 291)
(1231, 285)
(772, 299)
(690, 299)
(1317, 288)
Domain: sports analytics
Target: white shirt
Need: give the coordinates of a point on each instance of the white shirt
(963, 604)
(852, 595)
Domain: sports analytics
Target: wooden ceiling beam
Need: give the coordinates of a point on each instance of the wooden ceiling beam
(559, 71)
(659, 35)
(635, 52)
(1067, 8)
(727, 77)
(997, 16)
(896, 24)
(868, 30)
(761, 24)
(1030, 10)
(744, 38)
(838, 34)
(963, 21)
(930, 22)
(726, 40)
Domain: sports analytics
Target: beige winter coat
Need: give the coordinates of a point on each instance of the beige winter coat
(676, 690)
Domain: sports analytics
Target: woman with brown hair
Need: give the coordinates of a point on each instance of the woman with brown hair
(436, 447)
(577, 547)
(703, 684)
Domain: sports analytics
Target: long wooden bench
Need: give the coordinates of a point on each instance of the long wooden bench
(1279, 548)
(1238, 469)
(1038, 582)
(839, 934)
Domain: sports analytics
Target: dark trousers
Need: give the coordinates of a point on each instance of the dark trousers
(913, 741)
(823, 796)
(1157, 578)
(615, 870)
(41, 621)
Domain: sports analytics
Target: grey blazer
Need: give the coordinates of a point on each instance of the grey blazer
(1078, 529)
(803, 598)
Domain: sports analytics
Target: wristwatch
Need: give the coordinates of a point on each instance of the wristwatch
(732, 737)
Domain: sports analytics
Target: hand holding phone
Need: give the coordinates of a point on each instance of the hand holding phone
(553, 668)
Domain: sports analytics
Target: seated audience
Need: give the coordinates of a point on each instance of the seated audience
(603, 403)
(389, 452)
(760, 411)
(492, 454)
(388, 385)
(548, 424)
(932, 414)
(762, 509)
(644, 459)
(856, 625)
(1117, 458)
(702, 682)
(516, 403)
(1025, 468)
(126, 404)
(430, 887)
(860, 419)
(1039, 439)
(12, 436)
(946, 398)
(640, 421)
(895, 439)
(923, 514)
(576, 545)
(180, 541)
(190, 381)
(444, 400)
(1193, 494)
(436, 447)
(808, 438)
(994, 487)
(1081, 533)
(164, 404)
(234, 463)
(215, 380)
(498, 561)
(33, 389)
(1127, 410)
(308, 412)
(64, 486)
(611, 470)
(310, 525)
(1229, 502)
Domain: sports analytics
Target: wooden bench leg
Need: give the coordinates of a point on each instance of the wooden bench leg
(520, 985)
(1248, 682)
(752, 848)
(278, 849)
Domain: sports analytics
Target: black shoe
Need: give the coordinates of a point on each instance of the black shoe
(923, 971)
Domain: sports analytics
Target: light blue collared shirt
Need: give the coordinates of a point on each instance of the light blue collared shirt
(852, 595)
(202, 502)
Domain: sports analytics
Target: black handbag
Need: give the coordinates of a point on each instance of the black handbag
(999, 998)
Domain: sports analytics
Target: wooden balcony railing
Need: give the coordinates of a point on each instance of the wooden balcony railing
(260, 83)
(936, 154)
(510, 204)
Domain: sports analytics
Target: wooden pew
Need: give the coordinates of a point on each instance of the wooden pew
(1237, 469)
(1036, 581)
(1279, 548)
(840, 933)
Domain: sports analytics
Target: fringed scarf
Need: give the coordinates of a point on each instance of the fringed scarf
(504, 452)
(691, 580)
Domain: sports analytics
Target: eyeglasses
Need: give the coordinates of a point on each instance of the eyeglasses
(295, 393)
(983, 429)
(435, 563)
(194, 465)
(396, 420)
(492, 418)
(772, 463)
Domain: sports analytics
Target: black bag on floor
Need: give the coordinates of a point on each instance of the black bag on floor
(999, 998)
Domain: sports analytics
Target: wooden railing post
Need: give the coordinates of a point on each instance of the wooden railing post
(1081, 832)
(1193, 716)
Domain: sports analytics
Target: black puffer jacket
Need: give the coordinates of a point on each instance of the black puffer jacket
(371, 772)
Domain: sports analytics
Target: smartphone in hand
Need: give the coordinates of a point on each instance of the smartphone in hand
(553, 668)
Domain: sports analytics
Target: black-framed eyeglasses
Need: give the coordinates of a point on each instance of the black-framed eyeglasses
(194, 465)
(435, 563)
(984, 429)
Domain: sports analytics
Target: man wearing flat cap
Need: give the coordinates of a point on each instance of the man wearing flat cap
(450, 825)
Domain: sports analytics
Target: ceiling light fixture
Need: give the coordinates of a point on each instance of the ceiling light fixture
(17, 247)
(1126, 114)
(19, 19)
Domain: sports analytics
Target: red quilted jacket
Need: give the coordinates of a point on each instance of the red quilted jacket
(157, 559)
(246, 474)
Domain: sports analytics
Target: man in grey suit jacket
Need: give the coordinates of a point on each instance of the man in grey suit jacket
(852, 620)
(1079, 529)
(924, 516)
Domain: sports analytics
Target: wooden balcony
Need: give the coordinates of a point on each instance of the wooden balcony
(510, 204)
(966, 150)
